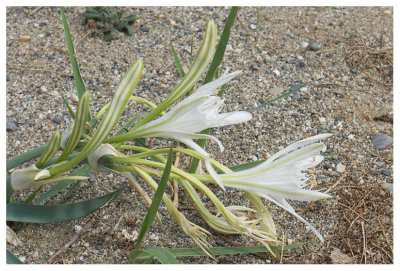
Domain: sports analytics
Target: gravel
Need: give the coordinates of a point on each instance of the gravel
(350, 37)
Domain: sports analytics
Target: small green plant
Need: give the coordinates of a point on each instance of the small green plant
(111, 20)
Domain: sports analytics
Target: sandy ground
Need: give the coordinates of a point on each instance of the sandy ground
(349, 94)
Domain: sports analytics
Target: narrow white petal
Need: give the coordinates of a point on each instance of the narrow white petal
(299, 144)
(209, 88)
(233, 118)
(207, 163)
(281, 202)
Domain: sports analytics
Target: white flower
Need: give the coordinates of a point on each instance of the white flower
(282, 176)
(187, 119)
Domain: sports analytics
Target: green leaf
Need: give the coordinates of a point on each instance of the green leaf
(21, 212)
(25, 157)
(82, 171)
(297, 88)
(139, 256)
(217, 60)
(163, 255)
(246, 165)
(80, 86)
(190, 252)
(71, 112)
(148, 220)
(220, 52)
(177, 62)
(12, 259)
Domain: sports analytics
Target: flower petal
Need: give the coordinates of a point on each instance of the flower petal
(281, 202)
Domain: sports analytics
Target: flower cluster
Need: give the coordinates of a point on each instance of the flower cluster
(280, 178)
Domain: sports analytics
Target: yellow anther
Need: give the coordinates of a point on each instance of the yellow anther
(313, 179)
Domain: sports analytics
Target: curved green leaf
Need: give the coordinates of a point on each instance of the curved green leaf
(25, 157)
(80, 86)
(151, 213)
(21, 212)
(12, 259)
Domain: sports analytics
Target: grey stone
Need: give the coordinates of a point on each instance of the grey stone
(315, 46)
(382, 141)
(386, 172)
(11, 126)
(295, 96)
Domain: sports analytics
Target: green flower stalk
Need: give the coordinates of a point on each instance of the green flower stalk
(32, 177)
(79, 125)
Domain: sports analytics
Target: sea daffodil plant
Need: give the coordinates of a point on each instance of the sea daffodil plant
(281, 177)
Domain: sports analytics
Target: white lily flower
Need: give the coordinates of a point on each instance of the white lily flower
(283, 176)
(187, 119)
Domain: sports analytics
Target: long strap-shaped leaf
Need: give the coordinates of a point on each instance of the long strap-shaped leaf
(118, 103)
(151, 213)
(80, 86)
(21, 212)
(167, 256)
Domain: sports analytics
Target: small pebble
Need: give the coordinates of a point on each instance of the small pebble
(78, 228)
(322, 119)
(255, 66)
(11, 126)
(24, 38)
(74, 99)
(144, 29)
(172, 22)
(295, 96)
(386, 172)
(253, 26)
(303, 45)
(42, 89)
(276, 91)
(382, 141)
(277, 72)
(259, 59)
(302, 64)
(340, 168)
(315, 46)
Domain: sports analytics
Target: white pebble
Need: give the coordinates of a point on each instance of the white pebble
(303, 45)
(340, 168)
(322, 119)
(78, 228)
(277, 72)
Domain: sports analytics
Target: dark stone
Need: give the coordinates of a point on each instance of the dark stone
(255, 66)
(8, 79)
(327, 166)
(42, 24)
(386, 172)
(50, 57)
(302, 64)
(143, 28)
(95, 88)
(35, 54)
(381, 141)
(315, 46)
(11, 126)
